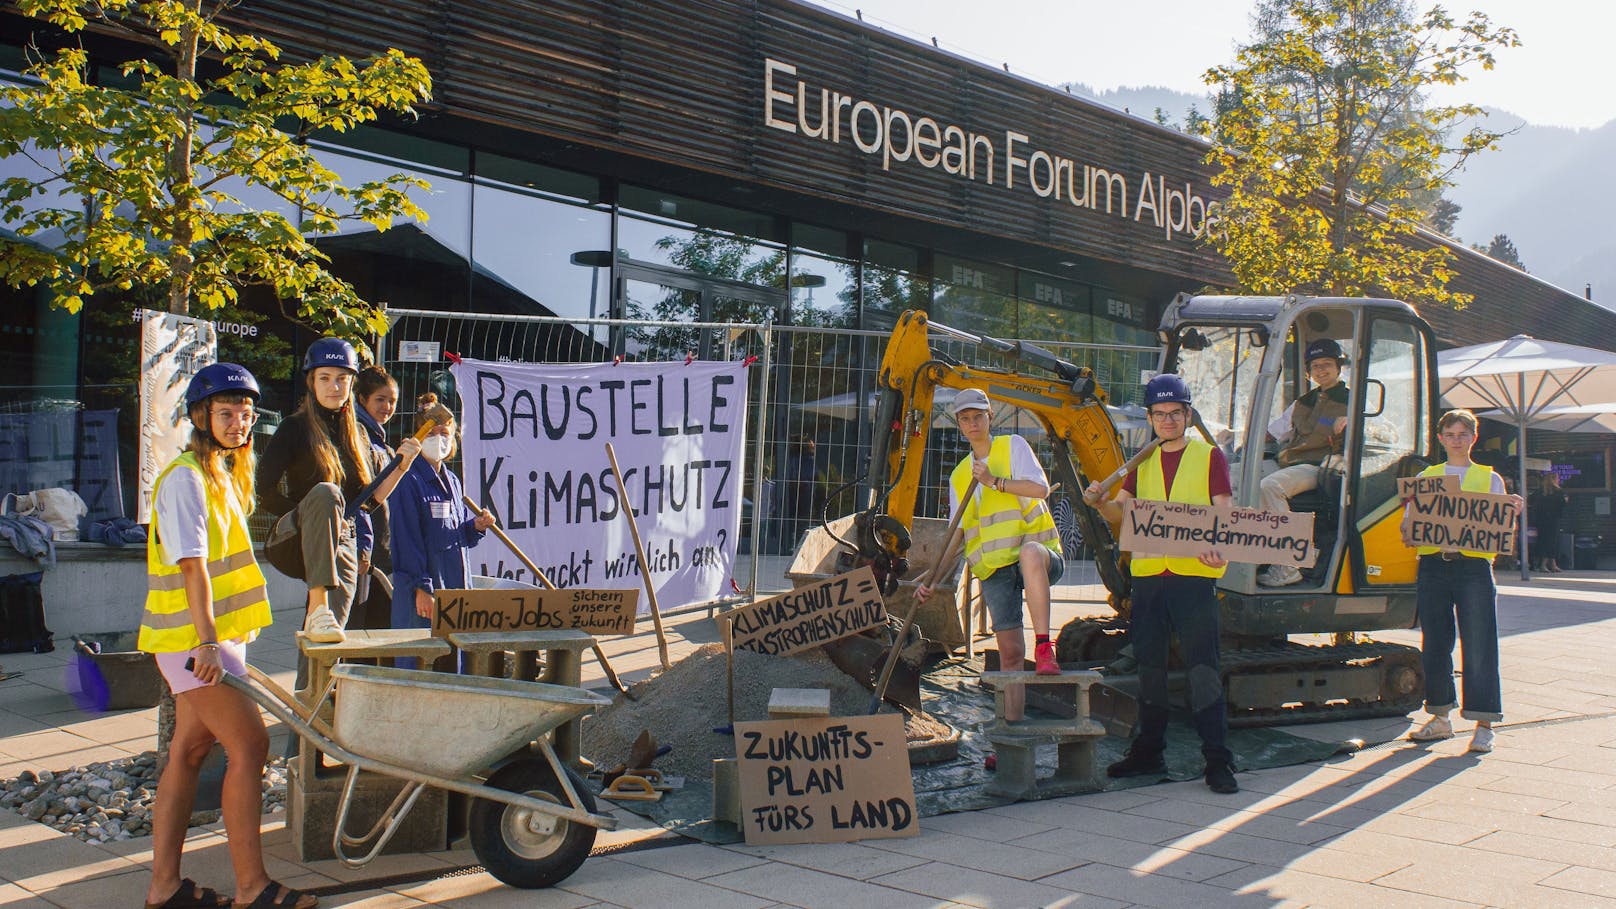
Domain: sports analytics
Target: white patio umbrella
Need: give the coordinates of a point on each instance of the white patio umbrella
(1522, 378)
(1575, 418)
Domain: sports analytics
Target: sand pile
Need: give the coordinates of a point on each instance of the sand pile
(682, 706)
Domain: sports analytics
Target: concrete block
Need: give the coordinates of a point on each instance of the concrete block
(787, 703)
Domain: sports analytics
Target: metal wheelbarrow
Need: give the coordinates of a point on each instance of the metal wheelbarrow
(532, 821)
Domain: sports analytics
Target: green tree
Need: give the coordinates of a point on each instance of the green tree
(1502, 248)
(1444, 215)
(139, 180)
(1328, 146)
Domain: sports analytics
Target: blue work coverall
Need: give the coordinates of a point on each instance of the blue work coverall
(431, 531)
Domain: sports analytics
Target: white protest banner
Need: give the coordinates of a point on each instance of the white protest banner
(1238, 534)
(534, 451)
(1447, 517)
(172, 350)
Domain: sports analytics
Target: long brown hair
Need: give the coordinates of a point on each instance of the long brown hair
(222, 465)
(327, 461)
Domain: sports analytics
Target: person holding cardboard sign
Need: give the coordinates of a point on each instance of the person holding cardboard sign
(1455, 593)
(1011, 542)
(1175, 594)
(431, 529)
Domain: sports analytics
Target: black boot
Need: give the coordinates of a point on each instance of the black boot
(1138, 763)
(1220, 777)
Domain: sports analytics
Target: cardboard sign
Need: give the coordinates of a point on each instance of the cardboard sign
(1447, 517)
(575, 609)
(804, 618)
(825, 780)
(1238, 534)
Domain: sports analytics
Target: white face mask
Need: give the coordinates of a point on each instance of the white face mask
(436, 448)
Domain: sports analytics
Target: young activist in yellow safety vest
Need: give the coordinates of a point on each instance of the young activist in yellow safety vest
(1011, 542)
(205, 600)
(1454, 592)
(1175, 595)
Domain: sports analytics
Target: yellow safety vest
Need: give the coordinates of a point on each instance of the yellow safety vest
(997, 523)
(240, 604)
(1192, 485)
(1477, 478)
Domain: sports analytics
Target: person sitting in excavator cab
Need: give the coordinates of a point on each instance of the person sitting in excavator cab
(1309, 433)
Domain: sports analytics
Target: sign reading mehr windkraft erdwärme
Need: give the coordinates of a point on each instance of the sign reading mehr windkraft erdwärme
(1238, 534)
(572, 609)
(825, 780)
(1447, 517)
(809, 616)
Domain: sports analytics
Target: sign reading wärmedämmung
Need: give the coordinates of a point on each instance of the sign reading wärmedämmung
(534, 451)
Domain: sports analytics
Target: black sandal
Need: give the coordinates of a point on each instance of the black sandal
(191, 895)
(277, 895)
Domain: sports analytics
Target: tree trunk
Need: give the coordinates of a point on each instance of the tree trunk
(165, 727)
(180, 179)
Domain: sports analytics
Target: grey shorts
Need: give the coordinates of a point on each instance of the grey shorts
(1002, 590)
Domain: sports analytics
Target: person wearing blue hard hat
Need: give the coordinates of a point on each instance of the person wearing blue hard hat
(205, 601)
(1310, 434)
(1174, 595)
(317, 460)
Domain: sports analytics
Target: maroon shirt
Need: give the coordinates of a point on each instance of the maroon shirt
(1217, 481)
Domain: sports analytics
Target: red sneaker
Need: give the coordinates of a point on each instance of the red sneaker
(1044, 657)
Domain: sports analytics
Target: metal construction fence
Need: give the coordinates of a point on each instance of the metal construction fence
(811, 397)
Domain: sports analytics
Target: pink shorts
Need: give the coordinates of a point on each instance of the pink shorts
(232, 655)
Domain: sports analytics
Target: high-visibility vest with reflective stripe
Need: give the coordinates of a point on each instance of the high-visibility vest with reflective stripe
(997, 523)
(1191, 484)
(1478, 478)
(240, 603)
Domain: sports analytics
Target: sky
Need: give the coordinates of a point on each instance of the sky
(1557, 77)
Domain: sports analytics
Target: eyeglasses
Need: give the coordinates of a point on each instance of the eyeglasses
(1170, 416)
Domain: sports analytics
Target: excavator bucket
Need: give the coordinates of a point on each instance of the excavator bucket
(862, 658)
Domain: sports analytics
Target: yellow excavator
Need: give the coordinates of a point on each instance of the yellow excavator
(1241, 358)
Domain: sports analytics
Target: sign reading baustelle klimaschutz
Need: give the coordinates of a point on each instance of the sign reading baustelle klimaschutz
(534, 451)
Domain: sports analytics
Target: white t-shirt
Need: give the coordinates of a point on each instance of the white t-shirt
(1023, 466)
(182, 516)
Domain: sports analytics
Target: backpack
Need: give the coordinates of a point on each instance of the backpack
(22, 615)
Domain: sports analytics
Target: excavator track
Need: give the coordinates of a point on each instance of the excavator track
(1297, 683)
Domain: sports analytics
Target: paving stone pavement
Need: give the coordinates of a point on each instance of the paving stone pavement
(1394, 824)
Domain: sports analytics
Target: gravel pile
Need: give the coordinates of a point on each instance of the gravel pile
(681, 706)
(110, 800)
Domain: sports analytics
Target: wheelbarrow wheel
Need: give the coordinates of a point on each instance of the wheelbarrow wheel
(512, 842)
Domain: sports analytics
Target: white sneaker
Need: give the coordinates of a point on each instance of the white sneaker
(1435, 729)
(1482, 741)
(322, 628)
(1279, 576)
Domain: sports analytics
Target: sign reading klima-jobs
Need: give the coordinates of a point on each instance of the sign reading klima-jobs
(535, 452)
(1013, 160)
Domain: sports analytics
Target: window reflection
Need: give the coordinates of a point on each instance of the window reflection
(975, 296)
(700, 237)
(893, 282)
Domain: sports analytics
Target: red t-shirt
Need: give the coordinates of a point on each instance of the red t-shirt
(1217, 481)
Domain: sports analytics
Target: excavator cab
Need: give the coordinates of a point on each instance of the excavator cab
(1243, 360)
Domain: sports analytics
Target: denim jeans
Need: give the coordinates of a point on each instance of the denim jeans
(1458, 595)
(1162, 605)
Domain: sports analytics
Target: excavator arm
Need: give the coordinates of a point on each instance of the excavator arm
(1070, 406)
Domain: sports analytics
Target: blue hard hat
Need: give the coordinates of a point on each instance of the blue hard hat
(331, 352)
(220, 378)
(1167, 388)
(1322, 349)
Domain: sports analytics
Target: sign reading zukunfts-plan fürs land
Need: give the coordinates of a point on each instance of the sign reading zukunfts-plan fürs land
(825, 780)
(1011, 158)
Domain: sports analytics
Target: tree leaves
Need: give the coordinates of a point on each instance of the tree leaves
(1332, 154)
(137, 186)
